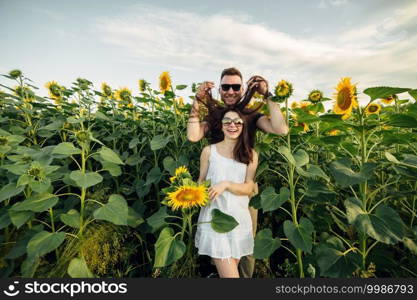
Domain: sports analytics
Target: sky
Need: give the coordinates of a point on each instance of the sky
(310, 43)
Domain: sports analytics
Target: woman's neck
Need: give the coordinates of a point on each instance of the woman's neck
(229, 143)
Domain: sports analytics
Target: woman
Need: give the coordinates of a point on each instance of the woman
(230, 165)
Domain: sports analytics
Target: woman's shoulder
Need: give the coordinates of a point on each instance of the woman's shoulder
(206, 150)
(254, 154)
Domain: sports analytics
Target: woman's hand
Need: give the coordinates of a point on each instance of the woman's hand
(217, 189)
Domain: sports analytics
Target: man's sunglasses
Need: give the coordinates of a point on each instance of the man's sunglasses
(227, 121)
(235, 87)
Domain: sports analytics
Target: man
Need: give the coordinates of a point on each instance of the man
(231, 91)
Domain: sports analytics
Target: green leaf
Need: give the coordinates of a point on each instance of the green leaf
(180, 87)
(10, 190)
(300, 235)
(285, 151)
(36, 203)
(71, 218)
(44, 242)
(115, 211)
(271, 201)
(383, 91)
(19, 218)
(168, 248)
(265, 244)
(384, 226)
(222, 222)
(133, 218)
(301, 158)
(159, 142)
(170, 165)
(345, 176)
(391, 158)
(113, 169)
(335, 263)
(77, 268)
(16, 169)
(29, 266)
(101, 116)
(4, 218)
(87, 179)
(154, 176)
(313, 171)
(157, 220)
(402, 120)
(413, 93)
(110, 156)
(66, 148)
(19, 247)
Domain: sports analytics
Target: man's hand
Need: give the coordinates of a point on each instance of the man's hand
(217, 189)
(204, 89)
(259, 84)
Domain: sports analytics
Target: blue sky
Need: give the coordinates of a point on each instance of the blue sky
(310, 43)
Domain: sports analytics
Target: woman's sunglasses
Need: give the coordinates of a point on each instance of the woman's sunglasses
(227, 122)
(235, 87)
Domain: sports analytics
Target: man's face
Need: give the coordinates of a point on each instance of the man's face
(230, 96)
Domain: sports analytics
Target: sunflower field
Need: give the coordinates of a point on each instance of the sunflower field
(101, 182)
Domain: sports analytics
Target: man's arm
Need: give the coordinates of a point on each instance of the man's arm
(195, 128)
(276, 124)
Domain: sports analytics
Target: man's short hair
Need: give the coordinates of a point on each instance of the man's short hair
(231, 71)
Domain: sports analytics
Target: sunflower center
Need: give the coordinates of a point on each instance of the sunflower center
(373, 108)
(344, 98)
(186, 196)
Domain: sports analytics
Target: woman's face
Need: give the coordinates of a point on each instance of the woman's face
(232, 125)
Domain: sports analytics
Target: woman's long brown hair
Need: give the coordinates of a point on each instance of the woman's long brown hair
(215, 112)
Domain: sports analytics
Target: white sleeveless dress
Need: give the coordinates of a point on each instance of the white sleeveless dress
(238, 242)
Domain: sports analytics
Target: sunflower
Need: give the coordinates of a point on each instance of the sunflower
(123, 94)
(181, 170)
(55, 90)
(315, 96)
(295, 104)
(130, 105)
(178, 172)
(187, 197)
(164, 82)
(142, 85)
(334, 132)
(389, 99)
(346, 116)
(372, 108)
(345, 97)
(180, 101)
(106, 89)
(25, 93)
(283, 90)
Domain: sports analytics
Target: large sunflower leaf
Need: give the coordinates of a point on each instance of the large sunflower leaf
(115, 210)
(265, 244)
(222, 222)
(385, 225)
(44, 242)
(383, 91)
(300, 235)
(271, 201)
(168, 248)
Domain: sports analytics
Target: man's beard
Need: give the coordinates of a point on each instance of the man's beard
(231, 100)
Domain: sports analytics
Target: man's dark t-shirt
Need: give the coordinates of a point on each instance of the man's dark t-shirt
(215, 135)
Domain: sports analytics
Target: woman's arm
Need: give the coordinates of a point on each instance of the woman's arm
(204, 164)
(241, 189)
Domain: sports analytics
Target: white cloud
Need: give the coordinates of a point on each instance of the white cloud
(189, 41)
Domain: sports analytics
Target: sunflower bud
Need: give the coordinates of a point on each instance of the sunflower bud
(15, 73)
